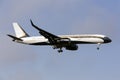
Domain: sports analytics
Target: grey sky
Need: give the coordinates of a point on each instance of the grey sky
(24, 62)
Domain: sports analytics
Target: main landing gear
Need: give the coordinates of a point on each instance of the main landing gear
(60, 49)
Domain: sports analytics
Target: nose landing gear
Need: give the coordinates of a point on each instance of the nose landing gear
(99, 44)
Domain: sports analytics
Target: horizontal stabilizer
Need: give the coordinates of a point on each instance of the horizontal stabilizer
(15, 38)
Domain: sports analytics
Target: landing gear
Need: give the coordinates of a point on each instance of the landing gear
(60, 51)
(59, 48)
(98, 46)
(54, 47)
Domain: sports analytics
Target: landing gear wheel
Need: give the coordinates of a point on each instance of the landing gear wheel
(54, 47)
(60, 51)
(98, 48)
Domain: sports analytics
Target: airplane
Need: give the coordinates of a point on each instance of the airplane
(69, 42)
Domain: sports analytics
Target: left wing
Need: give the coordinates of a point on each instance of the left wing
(51, 37)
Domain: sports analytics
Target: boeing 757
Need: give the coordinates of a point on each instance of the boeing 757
(69, 42)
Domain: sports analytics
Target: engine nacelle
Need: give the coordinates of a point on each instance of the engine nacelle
(72, 47)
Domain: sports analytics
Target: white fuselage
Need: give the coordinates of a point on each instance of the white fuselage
(77, 39)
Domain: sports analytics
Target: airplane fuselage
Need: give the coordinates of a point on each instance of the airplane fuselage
(74, 39)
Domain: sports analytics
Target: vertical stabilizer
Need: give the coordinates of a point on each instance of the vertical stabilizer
(20, 33)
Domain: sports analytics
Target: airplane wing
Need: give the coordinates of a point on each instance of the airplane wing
(51, 37)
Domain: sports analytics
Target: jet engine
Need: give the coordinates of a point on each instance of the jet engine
(72, 47)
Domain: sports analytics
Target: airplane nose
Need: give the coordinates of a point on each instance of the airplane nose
(107, 40)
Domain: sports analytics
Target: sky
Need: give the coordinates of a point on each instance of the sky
(25, 62)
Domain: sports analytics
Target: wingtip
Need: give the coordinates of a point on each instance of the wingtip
(31, 22)
(8, 34)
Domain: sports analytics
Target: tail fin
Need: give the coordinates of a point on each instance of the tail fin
(20, 33)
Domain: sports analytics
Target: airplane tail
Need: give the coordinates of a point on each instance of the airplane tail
(19, 31)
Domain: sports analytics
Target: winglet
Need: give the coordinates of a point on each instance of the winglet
(31, 22)
(34, 25)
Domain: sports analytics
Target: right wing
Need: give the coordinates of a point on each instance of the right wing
(51, 37)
